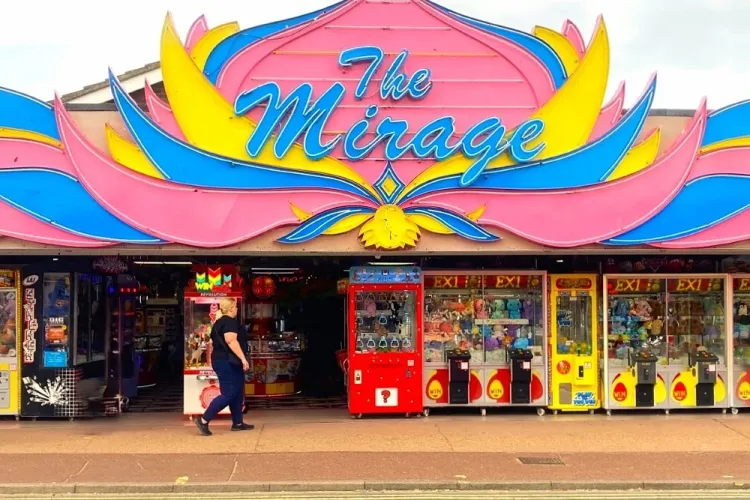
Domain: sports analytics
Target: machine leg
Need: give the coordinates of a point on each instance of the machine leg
(723, 411)
(735, 411)
(359, 415)
(609, 413)
(591, 412)
(408, 415)
(18, 418)
(554, 412)
(426, 412)
(666, 412)
(483, 411)
(540, 412)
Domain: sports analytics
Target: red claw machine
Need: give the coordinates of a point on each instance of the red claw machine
(202, 296)
(385, 331)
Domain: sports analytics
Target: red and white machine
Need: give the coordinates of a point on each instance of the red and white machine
(202, 296)
(385, 340)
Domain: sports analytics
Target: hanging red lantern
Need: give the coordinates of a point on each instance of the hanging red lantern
(341, 286)
(263, 287)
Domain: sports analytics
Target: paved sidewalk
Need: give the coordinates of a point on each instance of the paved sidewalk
(332, 450)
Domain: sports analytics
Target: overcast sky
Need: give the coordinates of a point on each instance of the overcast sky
(698, 47)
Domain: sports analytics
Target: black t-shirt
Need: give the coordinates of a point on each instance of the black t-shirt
(221, 350)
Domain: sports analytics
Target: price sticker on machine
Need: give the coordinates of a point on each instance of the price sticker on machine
(712, 368)
(527, 365)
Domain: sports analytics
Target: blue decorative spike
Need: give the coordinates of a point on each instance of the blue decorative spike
(388, 185)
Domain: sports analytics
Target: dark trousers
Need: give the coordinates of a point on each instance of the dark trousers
(232, 386)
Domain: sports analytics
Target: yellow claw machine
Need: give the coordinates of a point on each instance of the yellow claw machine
(574, 358)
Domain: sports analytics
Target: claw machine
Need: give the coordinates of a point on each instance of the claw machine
(666, 341)
(497, 320)
(740, 342)
(209, 285)
(574, 359)
(10, 316)
(385, 330)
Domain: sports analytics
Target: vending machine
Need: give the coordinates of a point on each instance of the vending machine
(667, 341)
(385, 335)
(495, 324)
(202, 296)
(574, 360)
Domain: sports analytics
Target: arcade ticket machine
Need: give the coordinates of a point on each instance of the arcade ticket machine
(666, 342)
(202, 297)
(385, 330)
(495, 323)
(574, 372)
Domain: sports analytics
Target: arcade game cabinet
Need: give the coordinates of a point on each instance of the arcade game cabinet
(385, 335)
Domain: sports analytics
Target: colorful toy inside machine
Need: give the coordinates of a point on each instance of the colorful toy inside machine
(482, 315)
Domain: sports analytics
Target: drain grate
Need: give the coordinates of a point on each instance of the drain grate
(540, 461)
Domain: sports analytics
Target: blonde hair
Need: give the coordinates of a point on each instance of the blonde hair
(225, 305)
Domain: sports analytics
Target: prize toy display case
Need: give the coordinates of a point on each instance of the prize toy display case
(574, 340)
(494, 322)
(740, 394)
(667, 343)
(201, 303)
(10, 326)
(385, 332)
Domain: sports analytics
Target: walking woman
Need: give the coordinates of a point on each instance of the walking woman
(228, 360)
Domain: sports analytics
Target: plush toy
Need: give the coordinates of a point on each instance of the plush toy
(528, 309)
(521, 343)
(622, 308)
(498, 309)
(514, 308)
(480, 311)
(59, 299)
(512, 330)
(371, 307)
(656, 327)
(491, 344)
(742, 309)
(643, 309)
(696, 308)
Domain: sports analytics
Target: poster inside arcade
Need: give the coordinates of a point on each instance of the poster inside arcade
(56, 309)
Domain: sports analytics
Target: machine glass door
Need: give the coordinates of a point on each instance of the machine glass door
(574, 324)
(385, 321)
(697, 320)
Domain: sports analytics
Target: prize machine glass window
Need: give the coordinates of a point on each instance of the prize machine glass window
(385, 321)
(574, 324)
(741, 332)
(696, 318)
(8, 301)
(450, 324)
(636, 320)
(89, 320)
(200, 316)
(56, 292)
(512, 318)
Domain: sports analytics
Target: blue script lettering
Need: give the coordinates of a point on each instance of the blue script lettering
(483, 142)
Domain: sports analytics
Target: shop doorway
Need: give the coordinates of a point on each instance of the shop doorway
(294, 313)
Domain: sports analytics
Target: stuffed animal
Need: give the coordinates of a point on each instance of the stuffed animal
(528, 309)
(622, 308)
(514, 308)
(480, 311)
(498, 309)
(742, 309)
(643, 309)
